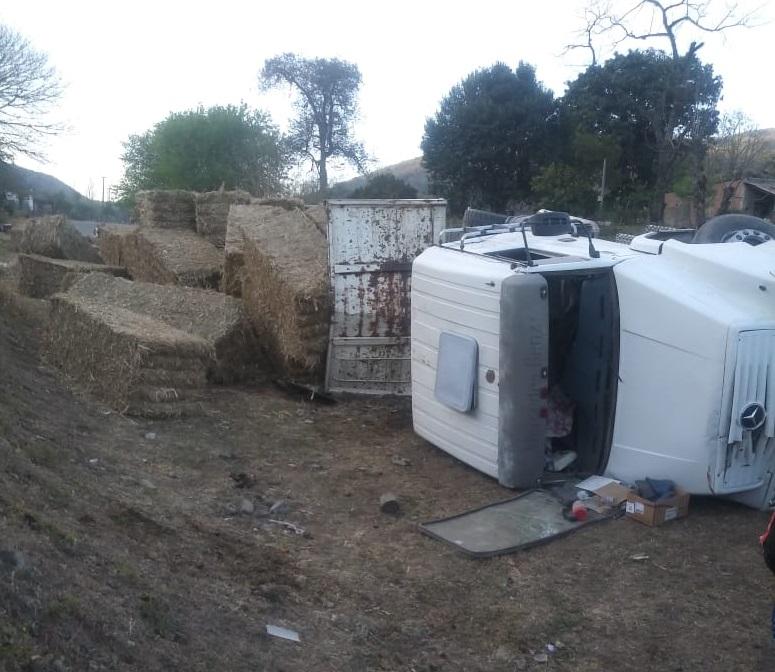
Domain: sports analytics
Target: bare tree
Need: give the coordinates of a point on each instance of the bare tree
(738, 151)
(29, 88)
(649, 20)
(326, 109)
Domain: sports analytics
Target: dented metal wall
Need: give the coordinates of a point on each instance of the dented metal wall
(372, 244)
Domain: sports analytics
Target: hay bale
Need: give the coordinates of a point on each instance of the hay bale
(172, 257)
(40, 277)
(216, 319)
(285, 285)
(55, 237)
(212, 211)
(116, 353)
(110, 242)
(166, 209)
(247, 218)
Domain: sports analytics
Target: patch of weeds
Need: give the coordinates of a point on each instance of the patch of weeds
(158, 616)
(63, 607)
(126, 572)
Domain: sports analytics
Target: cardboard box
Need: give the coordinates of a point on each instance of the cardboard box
(657, 513)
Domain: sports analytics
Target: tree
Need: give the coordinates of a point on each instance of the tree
(664, 21)
(647, 20)
(739, 150)
(491, 133)
(326, 109)
(658, 109)
(29, 89)
(384, 185)
(203, 149)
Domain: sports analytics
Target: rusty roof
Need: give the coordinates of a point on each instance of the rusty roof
(762, 184)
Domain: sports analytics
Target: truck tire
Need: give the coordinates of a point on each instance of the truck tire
(735, 228)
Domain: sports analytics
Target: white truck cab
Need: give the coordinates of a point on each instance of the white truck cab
(531, 341)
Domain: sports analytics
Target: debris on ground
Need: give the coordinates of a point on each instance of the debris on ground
(282, 633)
(388, 503)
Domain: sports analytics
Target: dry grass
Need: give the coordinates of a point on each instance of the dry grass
(55, 237)
(166, 209)
(111, 241)
(40, 277)
(212, 210)
(285, 285)
(172, 257)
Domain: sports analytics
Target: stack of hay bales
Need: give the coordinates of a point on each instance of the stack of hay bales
(212, 210)
(150, 349)
(166, 209)
(55, 237)
(285, 284)
(172, 257)
(39, 277)
(111, 241)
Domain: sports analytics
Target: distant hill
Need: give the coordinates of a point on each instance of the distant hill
(24, 181)
(51, 195)
(410, 171)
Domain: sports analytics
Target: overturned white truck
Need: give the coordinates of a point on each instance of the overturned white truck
(535, 346)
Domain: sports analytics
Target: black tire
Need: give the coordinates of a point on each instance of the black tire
(735, 228)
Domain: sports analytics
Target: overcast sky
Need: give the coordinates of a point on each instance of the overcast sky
(127, 65)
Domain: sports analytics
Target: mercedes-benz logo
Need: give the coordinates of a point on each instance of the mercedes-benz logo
(753, 416)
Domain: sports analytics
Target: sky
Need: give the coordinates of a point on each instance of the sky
(127, 65)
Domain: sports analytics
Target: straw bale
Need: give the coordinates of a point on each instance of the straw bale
(217, 319)
(285, 285)
(166, 209)
(110, 242)
(212, 210)
(109, 349)
(172, 257)
(55, 237)
(40, 277)
(247, 218)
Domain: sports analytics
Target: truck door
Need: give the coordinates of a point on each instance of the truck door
(372, 244)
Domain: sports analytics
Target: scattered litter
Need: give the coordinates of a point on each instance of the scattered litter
(551, 648)
(388, 503)
(282, 633)
(559, 645)
(595, 483)
(242, 480)
(400, 461)
(246, 507)
(93, 460)
(151, 436)
(280, 507)
(639, 557)
(541, 658)
(288, 526)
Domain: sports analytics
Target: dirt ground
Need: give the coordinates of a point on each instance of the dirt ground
(122, 547)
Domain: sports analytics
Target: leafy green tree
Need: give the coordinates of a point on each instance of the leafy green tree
(326, 106)
(490, 135)
(384, 185)
(203, 149)
(658, 109)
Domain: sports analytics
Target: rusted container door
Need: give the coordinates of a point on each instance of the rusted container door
(371, 248)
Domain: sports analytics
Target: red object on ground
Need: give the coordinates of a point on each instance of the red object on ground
(579, 511)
